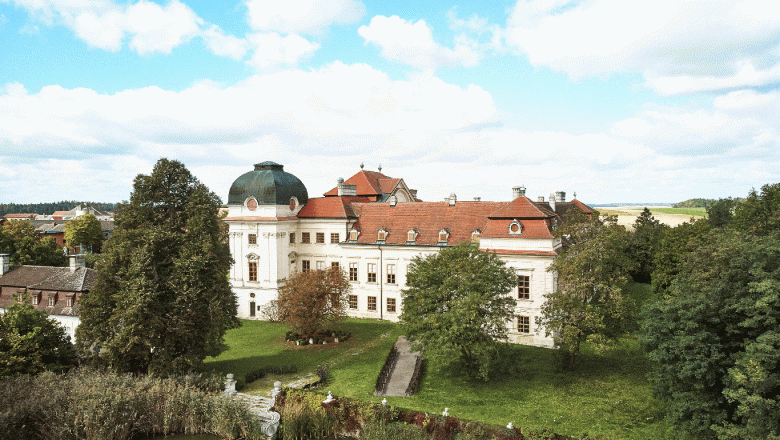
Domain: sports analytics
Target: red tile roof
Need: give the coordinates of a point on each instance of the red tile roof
(367, 183)
(520, 208)
(10, 216)
(330, 207)
(427, 218)
(532, 228)
(387, 185)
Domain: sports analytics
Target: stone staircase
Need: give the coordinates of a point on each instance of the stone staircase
(258, 405)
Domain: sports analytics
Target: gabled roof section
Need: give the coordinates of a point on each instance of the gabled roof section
(50, 278)
(532, 228)
(521, 208)
(427, 218)
(330, 207)
(387, 185)
(367, 183)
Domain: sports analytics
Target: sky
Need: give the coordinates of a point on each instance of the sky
(621, 102)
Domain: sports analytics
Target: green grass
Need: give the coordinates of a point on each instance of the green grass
(696, 212)
(608, 395)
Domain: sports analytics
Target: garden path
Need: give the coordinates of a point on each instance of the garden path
(403, 371)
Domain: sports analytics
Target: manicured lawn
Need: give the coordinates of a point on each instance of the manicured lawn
(608, 395)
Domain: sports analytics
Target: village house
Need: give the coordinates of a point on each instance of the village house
(372, 226)
(53, 290)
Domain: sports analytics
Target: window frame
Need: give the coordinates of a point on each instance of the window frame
(352, 302)
(305, 237)
(391, 305)
(390, 269)
(320, 265)
(292, 237)
(251, 239)
(305, 265)
(524, 324)
(353, 272)
(335, 237)
(371, 274)
(523, 287)
(252, 271)
(371, 304)
(320, 237)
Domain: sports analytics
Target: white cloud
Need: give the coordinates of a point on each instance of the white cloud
(412, 43)
(303, 16)
(159, 29)
(272, 49)
(678, 46)
(224, 45)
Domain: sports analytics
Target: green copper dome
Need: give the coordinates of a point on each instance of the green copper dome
(269, 184)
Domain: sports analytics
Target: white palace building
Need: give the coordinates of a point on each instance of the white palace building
(372, 226)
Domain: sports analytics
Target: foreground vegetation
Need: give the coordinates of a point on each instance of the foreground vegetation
(93, 405)
(608, 395)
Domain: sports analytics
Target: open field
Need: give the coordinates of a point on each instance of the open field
(670, 216)
(608, 395)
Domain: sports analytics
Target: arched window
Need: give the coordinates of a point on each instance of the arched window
(353, 235)
(443, 236)
(411, 236)
(381, 236)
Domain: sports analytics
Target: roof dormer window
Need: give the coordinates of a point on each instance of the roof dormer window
(411, 236)
(443, 236)
(381, 236)
(353, 235)
(515, 228)
(475, 236)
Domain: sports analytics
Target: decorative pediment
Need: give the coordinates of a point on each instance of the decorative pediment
(253, 257)
(292, 255)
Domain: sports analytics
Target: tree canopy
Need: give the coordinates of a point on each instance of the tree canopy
(26, 246)
(715, 340)
(676, 243)
(162, 301)
(759, 213)
(314, 299)
(643, 245)
(84, 230)
(457, 307)
(589, 302)
(30, 342)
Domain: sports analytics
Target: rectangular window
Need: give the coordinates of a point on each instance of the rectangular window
(253, 271)
(35, 300)
(353, 302)
(353, 235)
(391, 305)
(372, 304)
(334, 237)
(524, 324)
(335, 264)
(391, 274)
(523, 287)
(371, 273)
(51, 301)
(353, 271)
(292, 237)
(320, 237)
(305, 237)
(410, 236)
(320, 265)
(305, 265)
(69, 302)
(252, 238)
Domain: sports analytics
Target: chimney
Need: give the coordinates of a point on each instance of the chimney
(76, 261)
(540, 199)
(5, 263)
(552, 201)
(518, 191)
(452, 199)
(346, 189)
(477, 199)
(414, 193)
(560, 196)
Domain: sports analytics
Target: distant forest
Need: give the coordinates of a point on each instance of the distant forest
(49, 208)
(701, 203)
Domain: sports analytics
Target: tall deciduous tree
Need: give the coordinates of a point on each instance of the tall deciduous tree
(589, 302)
(162, 301)
(457, 307)
(676, 243)
(312, 300)
(759, 213)
(644, 244)
(30, 342)
(715, 340)
(721, 212)
(84, 230)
